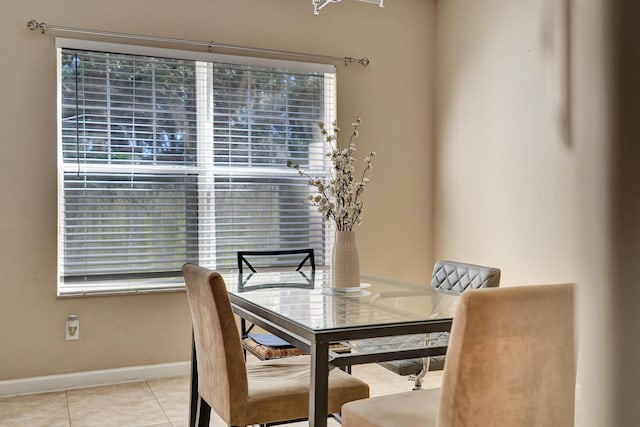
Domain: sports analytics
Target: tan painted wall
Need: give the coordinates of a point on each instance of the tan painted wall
(505, 167)
(549, 210)
(393, 95)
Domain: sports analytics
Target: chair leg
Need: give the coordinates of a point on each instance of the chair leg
(425, 368)
(346, 369)
(243, 333)
(204, 413)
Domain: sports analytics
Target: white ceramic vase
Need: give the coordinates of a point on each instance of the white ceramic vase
(345, 265)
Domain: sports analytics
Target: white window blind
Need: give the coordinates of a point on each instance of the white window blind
(171, 160)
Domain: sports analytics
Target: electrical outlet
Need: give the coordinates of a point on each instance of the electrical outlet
(72, 328)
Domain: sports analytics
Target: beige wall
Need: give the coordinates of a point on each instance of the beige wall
(505, 166)
(393, 95)
(554, 203)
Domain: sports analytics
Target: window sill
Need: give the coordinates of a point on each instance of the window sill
(128, 287)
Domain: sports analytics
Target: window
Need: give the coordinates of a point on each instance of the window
(167, 157)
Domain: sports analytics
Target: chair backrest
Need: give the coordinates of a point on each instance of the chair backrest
(222, 375)
(511, 359)
(451, 277)
(292, 257)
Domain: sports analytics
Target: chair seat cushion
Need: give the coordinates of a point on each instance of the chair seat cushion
(411, 409)
(279, 389)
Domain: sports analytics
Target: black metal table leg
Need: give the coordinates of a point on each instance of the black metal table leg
(319, 391)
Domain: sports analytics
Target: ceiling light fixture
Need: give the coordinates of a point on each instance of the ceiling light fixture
(318, 5)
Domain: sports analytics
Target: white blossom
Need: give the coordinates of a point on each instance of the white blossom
(339, 198)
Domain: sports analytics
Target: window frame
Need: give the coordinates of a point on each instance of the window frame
(204, 142)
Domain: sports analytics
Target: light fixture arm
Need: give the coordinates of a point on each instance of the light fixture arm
(318, 5)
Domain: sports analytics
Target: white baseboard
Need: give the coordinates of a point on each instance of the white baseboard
(92, 378)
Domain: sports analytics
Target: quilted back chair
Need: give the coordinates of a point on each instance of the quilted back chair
(511, 362)
(452, 278)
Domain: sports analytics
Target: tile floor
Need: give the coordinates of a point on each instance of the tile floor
(151, 403)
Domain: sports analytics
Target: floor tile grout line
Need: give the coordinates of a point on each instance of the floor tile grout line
(158, 401)
(66, 399)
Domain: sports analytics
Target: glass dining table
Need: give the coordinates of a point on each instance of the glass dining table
(303, 309)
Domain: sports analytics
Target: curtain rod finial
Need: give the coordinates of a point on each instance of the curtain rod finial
(362, 61)
(34, 25)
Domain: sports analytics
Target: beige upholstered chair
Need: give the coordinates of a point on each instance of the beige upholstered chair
(253, 393)
(511, 362)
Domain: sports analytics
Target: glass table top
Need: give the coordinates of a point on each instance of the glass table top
(308, 300)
